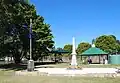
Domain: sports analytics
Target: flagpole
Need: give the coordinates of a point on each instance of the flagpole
(30, 62)
(30, 39)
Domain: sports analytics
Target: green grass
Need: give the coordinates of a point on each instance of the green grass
(8, 77)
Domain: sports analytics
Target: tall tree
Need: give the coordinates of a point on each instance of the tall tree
(107, 43)
(15, 21)
(83, 47)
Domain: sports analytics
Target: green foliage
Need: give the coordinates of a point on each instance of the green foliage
(68, 47)
(83, 47)
(14, 37)
(107, 43)
(27, 1)
(113, 36)
(43, 37)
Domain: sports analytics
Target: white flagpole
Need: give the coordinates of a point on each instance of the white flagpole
(30, 39)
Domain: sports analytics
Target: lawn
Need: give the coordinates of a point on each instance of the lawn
(8, 77)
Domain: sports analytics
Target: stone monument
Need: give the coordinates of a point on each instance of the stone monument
(74, 60)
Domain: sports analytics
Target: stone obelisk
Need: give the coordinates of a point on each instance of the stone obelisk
(73, 61)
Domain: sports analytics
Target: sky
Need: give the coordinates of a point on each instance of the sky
(83, 19)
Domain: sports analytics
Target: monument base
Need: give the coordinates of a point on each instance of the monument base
(30, 66)
(74, 60)
(74, 67)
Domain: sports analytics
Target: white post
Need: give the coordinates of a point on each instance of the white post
(73, 47)
(74, 61)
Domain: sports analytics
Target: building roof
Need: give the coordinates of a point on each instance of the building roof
(93, 51)
(60, 51)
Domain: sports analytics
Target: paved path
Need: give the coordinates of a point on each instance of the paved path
(83, 71)
(89, 72)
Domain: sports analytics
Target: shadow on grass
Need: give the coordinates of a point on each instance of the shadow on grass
(12, 66)
(21, 66)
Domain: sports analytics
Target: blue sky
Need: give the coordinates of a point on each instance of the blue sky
(83, 19)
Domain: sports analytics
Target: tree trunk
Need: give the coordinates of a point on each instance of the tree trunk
(55, 58)
(17, 61)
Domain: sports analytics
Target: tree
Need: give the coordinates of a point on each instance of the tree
(42, 38)
(117, 45)
(68, 47)
(83, 47)
(113, 37)
(17, 14)
(118, 42)
(15, 36)
(107, 43)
